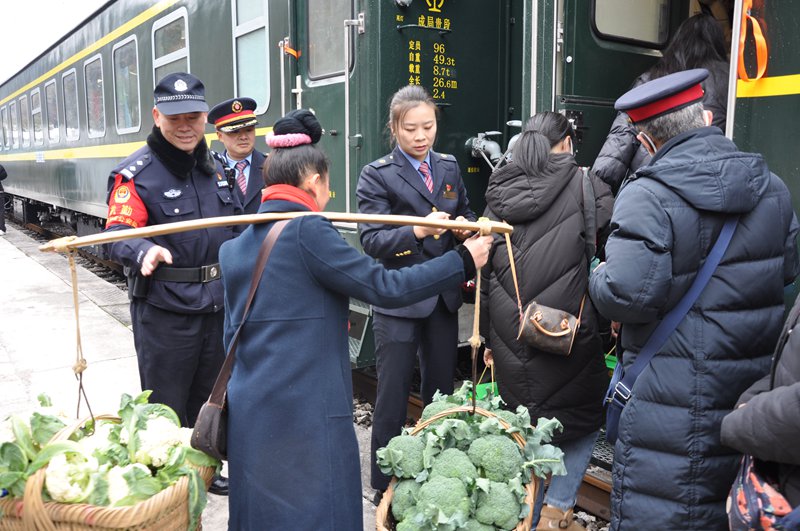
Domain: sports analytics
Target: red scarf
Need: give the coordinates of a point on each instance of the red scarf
(287, 192)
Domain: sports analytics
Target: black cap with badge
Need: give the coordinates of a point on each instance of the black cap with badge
(663, 95)
(180, 93)
(234, 114)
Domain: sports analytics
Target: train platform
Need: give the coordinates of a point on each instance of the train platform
(38, 346)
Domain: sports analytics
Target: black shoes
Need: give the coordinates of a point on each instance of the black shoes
(219, 485)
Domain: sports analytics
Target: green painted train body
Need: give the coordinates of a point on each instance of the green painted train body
(69, 116)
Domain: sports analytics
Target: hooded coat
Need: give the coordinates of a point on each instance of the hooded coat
(548, 243)
(669, 464)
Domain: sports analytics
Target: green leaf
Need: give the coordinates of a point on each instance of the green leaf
(51, 450)
(43, 427)
(198, 458)
(22, 435)
(44, 400)
(197, 498)
(12, 458)
(545, 428)
(141, 486)
(7, 479)
(545, 459)
(99, 494)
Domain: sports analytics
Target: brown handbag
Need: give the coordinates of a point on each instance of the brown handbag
(542, 327)
(210, 433)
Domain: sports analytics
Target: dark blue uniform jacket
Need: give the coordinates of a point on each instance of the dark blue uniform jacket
(391, 185)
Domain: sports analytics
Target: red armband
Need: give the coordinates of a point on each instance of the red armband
(125, 207)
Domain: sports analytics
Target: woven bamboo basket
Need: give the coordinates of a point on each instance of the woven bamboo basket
(383, 518)
(167, 510)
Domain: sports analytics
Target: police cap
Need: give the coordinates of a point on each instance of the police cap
(234, 114)
(180, 93)
(663, 95)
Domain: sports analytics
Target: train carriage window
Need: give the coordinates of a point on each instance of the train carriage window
(12, 111)
(25, 121)
(36, 117)
(125, 60)
(95, 106)
(51, 102)
(6, 127)
(170, 45)
(71, 117)
(250, 48)
(326, 37)
(637, 21)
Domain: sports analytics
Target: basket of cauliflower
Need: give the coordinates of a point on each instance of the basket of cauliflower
(132, 471)
(468, 470)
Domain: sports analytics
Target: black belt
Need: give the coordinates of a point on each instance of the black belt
(206, 273)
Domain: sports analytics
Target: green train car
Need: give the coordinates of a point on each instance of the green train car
(84, 104)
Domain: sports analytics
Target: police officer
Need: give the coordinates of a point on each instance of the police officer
(235, 121)
(176, 296)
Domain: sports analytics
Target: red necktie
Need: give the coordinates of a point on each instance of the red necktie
(240, 178)
(426, 175)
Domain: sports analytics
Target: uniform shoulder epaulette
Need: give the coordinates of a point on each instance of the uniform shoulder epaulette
(129, 167)
(446, 157)
(383, 161)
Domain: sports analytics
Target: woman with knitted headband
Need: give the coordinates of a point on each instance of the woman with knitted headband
(292, 453)
(411, 180)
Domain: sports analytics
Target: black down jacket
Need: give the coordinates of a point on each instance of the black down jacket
(548, 244)
(622, 154)
(768, 426)
(669, 464)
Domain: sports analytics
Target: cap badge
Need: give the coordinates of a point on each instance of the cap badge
(172, 193)
(180, 85)
(236, 106)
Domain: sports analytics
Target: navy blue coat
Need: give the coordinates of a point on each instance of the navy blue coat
(293, 456)
(391, 185)
(146, 191)
(255, 183)
(670, 468)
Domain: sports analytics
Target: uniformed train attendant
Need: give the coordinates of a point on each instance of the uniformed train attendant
(411, 180)
(292, 449)
(176, 296)
(235, 122)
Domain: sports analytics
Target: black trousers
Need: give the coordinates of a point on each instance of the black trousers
(2, 209)
(398, 341)
(179, 356)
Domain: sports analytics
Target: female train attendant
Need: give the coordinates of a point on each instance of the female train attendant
(292, 450)
(411, 180)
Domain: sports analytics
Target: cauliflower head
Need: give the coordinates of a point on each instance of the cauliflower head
(156, 441)
(498, 456)
(68, 477)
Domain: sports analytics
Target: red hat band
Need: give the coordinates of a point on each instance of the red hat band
(675, 101)
(233, 117)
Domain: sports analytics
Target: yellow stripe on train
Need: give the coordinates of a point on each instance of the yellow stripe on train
(769, 86)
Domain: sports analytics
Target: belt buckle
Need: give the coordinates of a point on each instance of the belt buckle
(209, 273)
(621, 394)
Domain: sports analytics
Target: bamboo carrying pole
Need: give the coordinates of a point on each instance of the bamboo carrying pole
(68, 243)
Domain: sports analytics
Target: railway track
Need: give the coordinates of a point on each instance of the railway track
(594, 495)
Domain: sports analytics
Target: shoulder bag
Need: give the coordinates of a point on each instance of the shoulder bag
(210, 433)
(619, 390)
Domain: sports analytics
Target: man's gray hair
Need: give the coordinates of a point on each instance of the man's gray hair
(664, 127)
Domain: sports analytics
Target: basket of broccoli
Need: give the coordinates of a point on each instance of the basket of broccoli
(459, 468)
(134, 470)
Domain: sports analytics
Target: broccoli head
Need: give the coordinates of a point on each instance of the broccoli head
(405, 498)
(408, 525)
(441, 496)
(499, 506)
(453, 463)
(402, 457)
(474, 525)
(509, 417)
(434, 408)
(497, 455)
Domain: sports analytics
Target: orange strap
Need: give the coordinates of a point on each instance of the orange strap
(291, 51)
(758, 37)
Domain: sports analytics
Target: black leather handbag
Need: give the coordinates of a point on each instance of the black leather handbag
(210, 433)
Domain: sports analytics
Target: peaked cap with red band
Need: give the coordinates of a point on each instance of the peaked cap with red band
(234, 114)
(663, 95)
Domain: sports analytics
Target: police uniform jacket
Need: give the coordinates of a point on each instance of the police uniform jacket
(251, 200)
(548, 241)
(391, 185)
(768, 427)
(161, 184)
(669, 464)
(292, 450)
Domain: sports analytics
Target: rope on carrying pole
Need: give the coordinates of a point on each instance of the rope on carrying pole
(80, 361)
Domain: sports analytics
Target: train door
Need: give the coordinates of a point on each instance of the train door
(601, 47)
